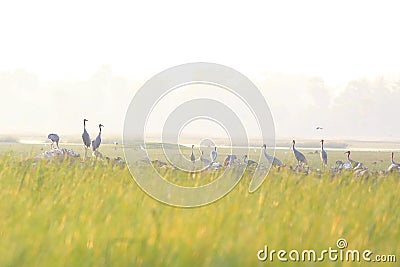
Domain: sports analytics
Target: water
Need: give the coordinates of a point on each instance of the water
(365, 149)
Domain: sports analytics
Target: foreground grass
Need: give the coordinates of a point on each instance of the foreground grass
(93, 214)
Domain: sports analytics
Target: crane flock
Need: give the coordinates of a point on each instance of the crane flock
(87, 143)
(358, 167)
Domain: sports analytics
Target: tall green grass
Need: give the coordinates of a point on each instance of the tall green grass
(71, 213)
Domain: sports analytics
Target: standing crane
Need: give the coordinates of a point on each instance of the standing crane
(229, 160)
(96, 143)
(249, 162)
(301, 159)
(273, 160)
(206, 161)
(54, 139)
(323, 154)
(192, 157)
(354, 164)
(213, 155)
(85, 137)
(394, 166)
(359, 168)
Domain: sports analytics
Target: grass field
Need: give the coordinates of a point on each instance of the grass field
(71, 213)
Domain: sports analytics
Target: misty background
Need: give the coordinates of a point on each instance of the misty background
(362, 108)
(333, 65)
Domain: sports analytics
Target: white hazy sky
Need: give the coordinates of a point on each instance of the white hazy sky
(69, 41)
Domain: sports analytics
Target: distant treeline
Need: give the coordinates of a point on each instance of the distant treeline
(7, 139)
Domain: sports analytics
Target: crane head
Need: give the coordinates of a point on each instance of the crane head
(264, 146)
(101, 125)
(347, 152)
(85, 120)
(322, 140)
(294, 142)
(192, 146)
(215, 148)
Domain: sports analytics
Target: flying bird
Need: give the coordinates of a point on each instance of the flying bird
(96, 143)
(54, 139)
(323, 154)
(299, 156)
(319, 128)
